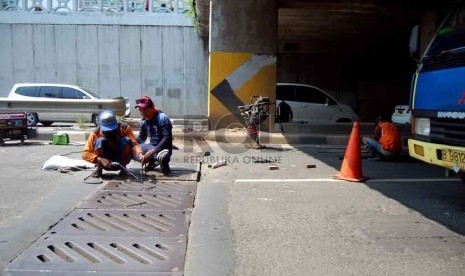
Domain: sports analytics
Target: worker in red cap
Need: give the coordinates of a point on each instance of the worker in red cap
(111, 141)
(156, 126)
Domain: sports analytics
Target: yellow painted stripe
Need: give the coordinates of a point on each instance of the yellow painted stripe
(225, 65)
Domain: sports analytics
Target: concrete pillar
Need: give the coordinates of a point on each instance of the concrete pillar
(242, 62)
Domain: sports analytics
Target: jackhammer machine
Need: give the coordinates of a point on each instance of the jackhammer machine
(255, 113)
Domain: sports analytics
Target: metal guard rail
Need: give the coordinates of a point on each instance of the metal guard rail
(86, 106)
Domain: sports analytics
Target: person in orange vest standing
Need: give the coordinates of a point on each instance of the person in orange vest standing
(386, 141)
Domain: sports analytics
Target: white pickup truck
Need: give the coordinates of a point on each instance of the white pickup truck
(73, 103)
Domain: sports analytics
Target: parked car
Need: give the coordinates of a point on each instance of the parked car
(402, 115)
(56, 91)
(312, 104)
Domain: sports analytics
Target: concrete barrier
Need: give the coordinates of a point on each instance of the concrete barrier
(335, 134)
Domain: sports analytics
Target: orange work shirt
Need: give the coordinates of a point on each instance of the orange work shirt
(88, 153)
(390, 137)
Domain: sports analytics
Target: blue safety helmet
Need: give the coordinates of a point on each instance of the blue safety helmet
(107, 120)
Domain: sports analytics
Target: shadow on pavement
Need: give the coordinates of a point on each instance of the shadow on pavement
(17, 143)
(441, 201)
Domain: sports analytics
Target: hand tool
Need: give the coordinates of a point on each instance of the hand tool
(116, 164)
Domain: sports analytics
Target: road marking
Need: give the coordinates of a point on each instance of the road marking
(337, 180)
(289, 180)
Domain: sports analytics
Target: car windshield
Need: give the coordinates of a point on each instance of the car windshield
(450, 35)
(92, 94)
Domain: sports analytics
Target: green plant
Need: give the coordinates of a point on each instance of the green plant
(81, 121)
(192, 14)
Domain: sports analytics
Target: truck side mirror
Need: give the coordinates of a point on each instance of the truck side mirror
(414, 45)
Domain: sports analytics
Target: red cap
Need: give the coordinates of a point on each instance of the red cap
(144, 102)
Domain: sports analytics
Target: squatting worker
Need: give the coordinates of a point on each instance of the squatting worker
(111, 141)
(157, 127)
(386, 141)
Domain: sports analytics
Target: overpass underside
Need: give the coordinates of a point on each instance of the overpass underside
(356, 50)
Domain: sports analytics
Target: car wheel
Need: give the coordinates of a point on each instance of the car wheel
(46, 123)
(95, 119)
(32, 119)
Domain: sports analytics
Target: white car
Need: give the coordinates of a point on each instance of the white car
(402, 115)
(312, 105)
(56, 91)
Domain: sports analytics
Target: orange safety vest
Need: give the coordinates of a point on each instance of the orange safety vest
(390, 137)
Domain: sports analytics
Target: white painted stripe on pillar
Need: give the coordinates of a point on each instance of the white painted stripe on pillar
(337, 180)
(248, 69)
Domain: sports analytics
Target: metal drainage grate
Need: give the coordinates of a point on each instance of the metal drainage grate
(139, 200)
(153, 186)
(116, 254)
(112, 223)
(179, 174)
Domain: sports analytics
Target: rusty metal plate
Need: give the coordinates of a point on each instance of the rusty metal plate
(112, 223)
(139, 200)
(103, 254)
(188, 187)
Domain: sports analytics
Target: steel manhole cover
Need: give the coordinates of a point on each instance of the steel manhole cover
(139, 200)
(103, 254)
(153, 186)
(99, 222)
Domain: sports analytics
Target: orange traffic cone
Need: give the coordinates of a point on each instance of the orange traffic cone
(351, 169)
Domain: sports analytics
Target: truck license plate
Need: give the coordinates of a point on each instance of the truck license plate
(453, 156)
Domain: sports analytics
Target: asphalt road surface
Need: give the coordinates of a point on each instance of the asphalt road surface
(407, 219)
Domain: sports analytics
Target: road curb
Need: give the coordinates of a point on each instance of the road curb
(323, 134)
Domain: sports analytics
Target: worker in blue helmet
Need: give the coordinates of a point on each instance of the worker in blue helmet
(111, 141)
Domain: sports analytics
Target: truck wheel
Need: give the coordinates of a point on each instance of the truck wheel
(95, 119)
(32, 119)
